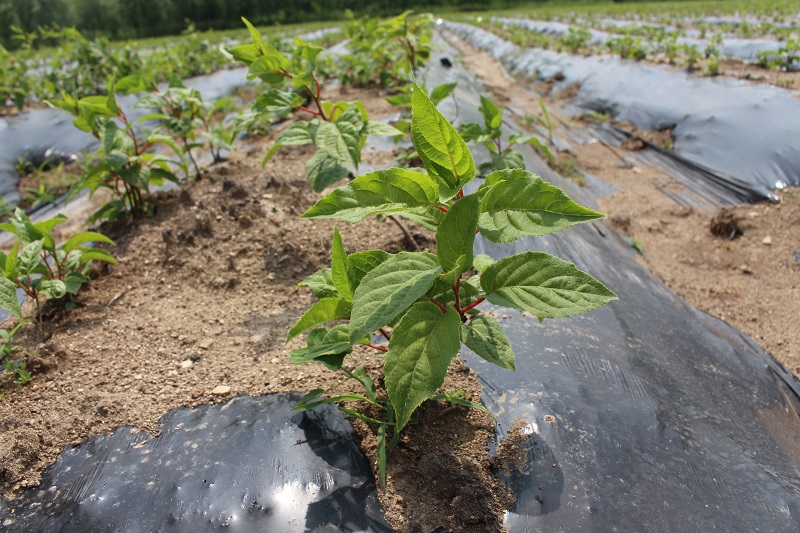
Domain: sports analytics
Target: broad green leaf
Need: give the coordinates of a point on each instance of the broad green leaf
(484, 336)
(329, 138)
(441, 92)
(280, 102)
(456, 235)
(362, 263)
(23, 227)
(439, 145)
(521, 203)
(55, 288)
(321, 284)
(389, 289)
(328, 349)
(73, 282)
(340, 268)
(421, 348)
(543, 285)
(8, 298)
(295, 135)
(83, 238)
(492, 115)
(29, 257)
(383, 191)
(322, 311)
(349, 126)
(376, 127)
(323, 170)
(481, 262)
(96, 254)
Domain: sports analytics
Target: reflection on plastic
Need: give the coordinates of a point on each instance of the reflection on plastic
(247, 465)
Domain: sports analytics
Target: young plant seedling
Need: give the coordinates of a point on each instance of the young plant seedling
(39, 268)
(338, 131)
(429, 301)
(490, 136)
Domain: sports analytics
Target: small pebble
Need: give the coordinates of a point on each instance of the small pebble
(767, 240)
(221, 390)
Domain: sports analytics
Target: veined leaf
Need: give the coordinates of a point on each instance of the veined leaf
(322, 311)
(295, 135)
(389, 289)
(441, 92)
(323, 170)
(326, 347)
(340, 268)
(362, 263)
(29, 257)
(376, 127)
(55, 288)
(492, 115)
(321, 284)
(82, 238)
(520, 203)
(421, 348)
(456, 235)
(484, 336)
(328, 137)
(8, 298)
(439, 145)
(543, 285)
(383, 191)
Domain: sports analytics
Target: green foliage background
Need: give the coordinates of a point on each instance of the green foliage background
(128, 19)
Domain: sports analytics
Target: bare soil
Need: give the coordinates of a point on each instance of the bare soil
(197, 311)
(752, 281)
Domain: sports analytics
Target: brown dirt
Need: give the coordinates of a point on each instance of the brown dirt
(752, 282)
(203, 295)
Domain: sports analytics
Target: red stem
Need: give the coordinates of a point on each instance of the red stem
(456, 291)
(472, 305)
(379, 348)
(439, 305)
(440, 208)
(311, 111)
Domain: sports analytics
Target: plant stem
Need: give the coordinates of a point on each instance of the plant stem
(379, 348)
(472, 305)
(438, 304)
(385, 334)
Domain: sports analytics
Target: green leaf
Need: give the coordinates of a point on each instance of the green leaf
(74, 281)
(55, 288)
(376, 127)
(82, 238)
(484, 336)
(323, 170)
(295, 135)
(329, 138)
(8, 298)
(349, 126)
(322, 311)
(321, 284)
(24, 229)
(383, 191)
(328, 349)
(456, 235)
(520, 203)
(439, 145)
(492, 115)
(362, 263)
(441, 92)
(279, 102)
(421, 348)
(96, 254)
(29, 257)
(481, 262)
(389, 289)
(340, 268)
(543, 285)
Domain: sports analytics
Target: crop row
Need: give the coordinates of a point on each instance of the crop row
(77, 66)
(638, 43)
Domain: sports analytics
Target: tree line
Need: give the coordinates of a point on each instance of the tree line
(129, 19)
